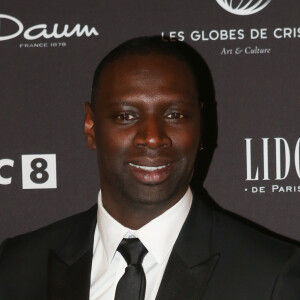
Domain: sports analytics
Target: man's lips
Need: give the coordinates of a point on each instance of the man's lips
(151, 174)
(149, 168)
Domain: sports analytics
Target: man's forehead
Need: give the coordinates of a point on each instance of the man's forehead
(140, 61)
(142, 64)
(131, 73)
(143, 72)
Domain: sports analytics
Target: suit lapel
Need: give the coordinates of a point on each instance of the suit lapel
(191, 263)
(69, 281)
(69, 267)
(181, 282)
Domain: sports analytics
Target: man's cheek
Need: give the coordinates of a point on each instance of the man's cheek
(187, 144)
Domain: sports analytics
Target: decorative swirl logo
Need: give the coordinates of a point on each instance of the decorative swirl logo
(243, 8)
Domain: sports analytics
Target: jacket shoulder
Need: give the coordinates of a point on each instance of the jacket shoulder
(254, 262)
(244, 233)
(50, 237)
(24, 259)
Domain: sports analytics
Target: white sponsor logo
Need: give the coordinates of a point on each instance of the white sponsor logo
(9, 163)
(38, 171)
(243, 8)
(272, 159)
(283, 159)
(44, 31)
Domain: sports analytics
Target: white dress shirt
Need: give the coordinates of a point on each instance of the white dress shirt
(158, 236)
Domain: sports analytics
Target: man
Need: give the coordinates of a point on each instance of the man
(145, 121)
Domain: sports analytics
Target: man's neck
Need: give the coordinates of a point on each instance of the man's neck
(135, 215)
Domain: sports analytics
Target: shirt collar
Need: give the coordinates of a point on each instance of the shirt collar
(158, 236)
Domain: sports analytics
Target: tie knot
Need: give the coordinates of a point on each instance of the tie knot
(133, 251)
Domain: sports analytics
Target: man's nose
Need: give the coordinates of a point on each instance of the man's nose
(151, 133)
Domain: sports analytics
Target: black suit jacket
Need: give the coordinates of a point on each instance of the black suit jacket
(216, 257)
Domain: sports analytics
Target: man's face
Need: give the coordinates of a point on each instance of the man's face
(146, 129)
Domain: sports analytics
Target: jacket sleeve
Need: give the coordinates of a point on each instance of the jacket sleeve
(287, 285)
(2, 246)
(2, 273)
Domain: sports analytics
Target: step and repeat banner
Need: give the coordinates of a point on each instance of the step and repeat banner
(48, 53)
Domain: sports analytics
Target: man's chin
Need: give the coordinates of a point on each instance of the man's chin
(156, 195)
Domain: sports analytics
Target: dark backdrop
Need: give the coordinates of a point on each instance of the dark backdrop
(46, 171)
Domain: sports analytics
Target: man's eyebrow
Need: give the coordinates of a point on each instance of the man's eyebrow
(122, 103)
(179, 101)
(183, 101)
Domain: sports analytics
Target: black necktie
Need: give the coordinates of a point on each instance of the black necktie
(132, 285)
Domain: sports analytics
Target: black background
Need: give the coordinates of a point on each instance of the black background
(43, 91)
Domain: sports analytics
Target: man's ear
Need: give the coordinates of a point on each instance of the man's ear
(89, 130)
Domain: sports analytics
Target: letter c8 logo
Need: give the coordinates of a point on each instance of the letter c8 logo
(38, 171)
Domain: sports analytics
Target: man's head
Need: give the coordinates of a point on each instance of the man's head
(155, 44)
(145, 123)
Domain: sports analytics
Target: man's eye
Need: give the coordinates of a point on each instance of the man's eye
(126, 117)
(175, 116)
